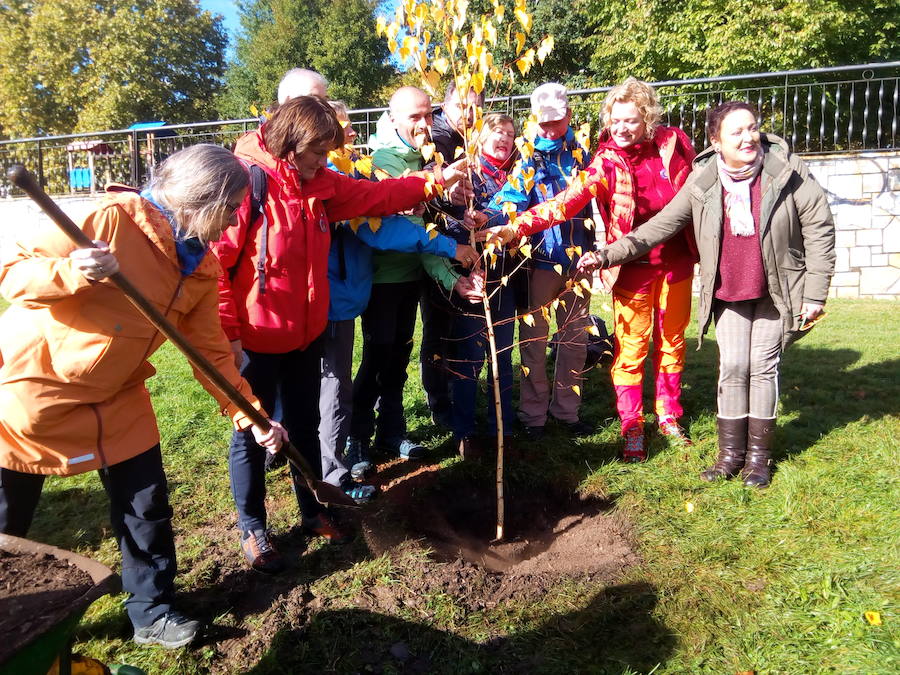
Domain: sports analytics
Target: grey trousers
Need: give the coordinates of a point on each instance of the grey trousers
(749, 337)
(535, 393)
(336, 398)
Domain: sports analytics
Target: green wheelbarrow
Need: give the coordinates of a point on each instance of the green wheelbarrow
(51, 636)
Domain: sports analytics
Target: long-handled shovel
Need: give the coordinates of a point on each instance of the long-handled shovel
(324, 492)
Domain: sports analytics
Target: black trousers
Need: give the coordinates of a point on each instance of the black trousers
(387, 324)
(289, 384)
(437, 323)
(141, 518)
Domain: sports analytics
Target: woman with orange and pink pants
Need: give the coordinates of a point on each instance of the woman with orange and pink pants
(639, 167)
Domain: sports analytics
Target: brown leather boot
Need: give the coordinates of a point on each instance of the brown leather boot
(732, 449)
(757, 471)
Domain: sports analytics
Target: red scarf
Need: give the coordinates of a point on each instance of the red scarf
(495, 168)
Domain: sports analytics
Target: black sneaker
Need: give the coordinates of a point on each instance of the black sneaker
(356, 456)
(358, 492)
(172, 630)
(534, 433)
(260, 552)
(577, 428)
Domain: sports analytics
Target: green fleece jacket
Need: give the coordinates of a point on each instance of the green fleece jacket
(392, 154)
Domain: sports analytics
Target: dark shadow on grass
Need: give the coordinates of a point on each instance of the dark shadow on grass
(615, 633)
(72, 518)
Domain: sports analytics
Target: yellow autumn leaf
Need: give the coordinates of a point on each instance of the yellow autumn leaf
(520, 42)
(341, 160)
(430, 226)
(524, 62)
(490, 32)
(526, 250)
(558, 269)
(524, 19)
(578, 154)
(504, 280)
(526, 370)
(545, 48)
(374, 223)
(593, 330)
(577, 291)
(689, 507)
(555, 303)
(392, 45)
(588, 224)
(478, 83)
(441, 65)
(380, 25)
(528, 319)
(874, 618)
(364, 165)
(427, 151)
(576, 389)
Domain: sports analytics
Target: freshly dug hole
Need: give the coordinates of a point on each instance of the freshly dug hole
(550, 533)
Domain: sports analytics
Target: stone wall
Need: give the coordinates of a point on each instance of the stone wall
(863, 190)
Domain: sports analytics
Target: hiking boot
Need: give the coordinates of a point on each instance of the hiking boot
(172, 630)
(534, 433)
(674, 432)
(405, 448)
(356, 456)
(323, 525)
(260, 552)
(361, 494)
(732, 449)
(634, 450)
(757, 471)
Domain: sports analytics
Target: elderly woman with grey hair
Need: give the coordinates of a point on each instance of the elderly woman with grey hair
(74, 362)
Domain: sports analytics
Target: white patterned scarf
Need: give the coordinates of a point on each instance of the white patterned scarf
(736, 183)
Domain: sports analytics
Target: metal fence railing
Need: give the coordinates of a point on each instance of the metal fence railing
(820, 110)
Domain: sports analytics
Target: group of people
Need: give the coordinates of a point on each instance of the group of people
(265, 256)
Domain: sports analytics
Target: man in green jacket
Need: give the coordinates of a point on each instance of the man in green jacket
(389, 320)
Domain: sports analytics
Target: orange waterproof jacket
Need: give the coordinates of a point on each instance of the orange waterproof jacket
(73, 353)
(292, 310)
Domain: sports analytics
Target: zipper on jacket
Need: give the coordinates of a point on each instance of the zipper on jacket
(103, 464)
(175, 296)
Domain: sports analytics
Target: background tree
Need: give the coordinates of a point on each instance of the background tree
(662, 39)
(82, 65)
(334, 37)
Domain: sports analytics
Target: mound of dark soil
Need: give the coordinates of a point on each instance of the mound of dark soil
(36, 592)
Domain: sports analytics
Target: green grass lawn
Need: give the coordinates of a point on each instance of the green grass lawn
(731, 579)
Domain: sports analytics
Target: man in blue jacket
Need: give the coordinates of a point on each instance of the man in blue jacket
(350, 274)
(557, 157)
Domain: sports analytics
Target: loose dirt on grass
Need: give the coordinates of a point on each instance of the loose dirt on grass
(36, 593)
(436, 526)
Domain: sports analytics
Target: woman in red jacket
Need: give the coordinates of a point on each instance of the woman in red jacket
(274, 294)
(639, 167)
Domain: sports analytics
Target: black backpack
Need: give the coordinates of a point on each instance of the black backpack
(599, 347)
(258, 190)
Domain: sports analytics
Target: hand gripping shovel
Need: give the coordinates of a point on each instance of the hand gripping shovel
(325, 493)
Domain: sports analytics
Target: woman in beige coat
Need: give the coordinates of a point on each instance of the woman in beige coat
(766, 241)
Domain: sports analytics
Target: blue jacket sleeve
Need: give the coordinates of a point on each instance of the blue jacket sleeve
(400, 234)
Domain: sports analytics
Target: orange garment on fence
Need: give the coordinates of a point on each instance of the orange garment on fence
(73, 353)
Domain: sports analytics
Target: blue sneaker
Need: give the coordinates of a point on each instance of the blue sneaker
(356, 456)
(405, 448)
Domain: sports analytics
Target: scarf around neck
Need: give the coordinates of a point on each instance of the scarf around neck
(736, 184)
(190, 250)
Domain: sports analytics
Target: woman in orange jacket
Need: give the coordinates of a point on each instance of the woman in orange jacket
(73, 362)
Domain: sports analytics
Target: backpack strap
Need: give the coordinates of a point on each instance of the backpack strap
(258, 188)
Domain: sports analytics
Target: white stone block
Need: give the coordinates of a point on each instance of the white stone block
(846, 186)
(842, 259)
(860, 256)
(895, 298)
(848, 292)
(852, 216)
(875, 182)
(868, 237)
(844, 238)
(879, 280)
(887, 204)
(890, 242)
(894, 260)
(841, 279)
(880, 260)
